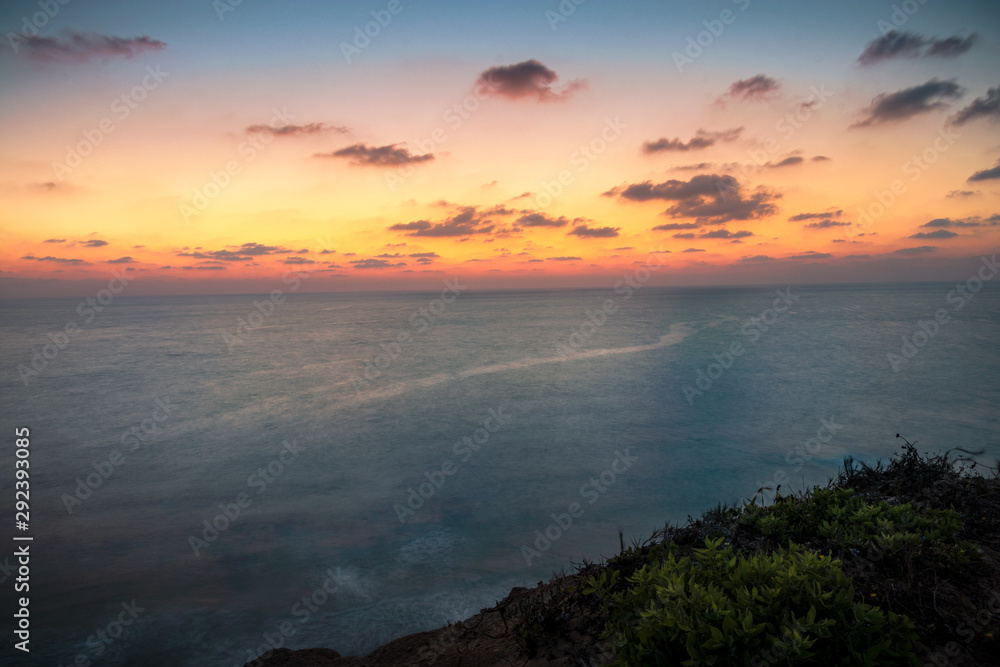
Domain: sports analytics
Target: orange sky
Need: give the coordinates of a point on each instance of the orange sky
(201, 167)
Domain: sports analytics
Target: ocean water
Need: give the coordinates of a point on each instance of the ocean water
(599, 410)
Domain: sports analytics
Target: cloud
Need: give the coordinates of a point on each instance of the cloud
(758, 87)
(956, 194)
(693, 250)
(121, 260)
(375, 264)
(787, 162)
(986, 174)
(542, 220)
(424, 255)
(684, 235)
(825, 224)
(938, 234)
(903, 44)
(80, 47)
(987, 106)
(58, 260)
(909, 102)
(378, 156)
(709, 198)
(757, 258)
(563, 259)
(93, 243)
(826, 215)
(204, 268)
(939, 223)
(241, 253)
(919, 250)
(54, 241)
(296, 130)
(812, 254)
(702, 139)
(527, 79)
(467, 220)
(726, 234)
(298, 260)
(820, 158)
(586, 232)
(676, 225)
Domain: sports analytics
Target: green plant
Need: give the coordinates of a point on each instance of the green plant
(719, 608)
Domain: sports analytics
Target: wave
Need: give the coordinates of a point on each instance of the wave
(676, 334)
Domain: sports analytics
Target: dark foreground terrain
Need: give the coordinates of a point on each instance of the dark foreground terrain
(895, 564)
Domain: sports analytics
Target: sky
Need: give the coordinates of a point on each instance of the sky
(230, 146)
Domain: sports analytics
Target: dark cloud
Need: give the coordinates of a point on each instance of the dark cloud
(987, 106)
(919, 250)
(54, 241)
(986, 174)
(939, 223)
(204, 268)
(938, 234)
(758, 87)
(951, 46)
(709, 198)
(726, 234)
(909, 102)
(121, 260)
(378, 156)
(903, 44)
(956, 194)
(702, 139)
(424, 255)
(694, 167)
(94, 243)
(585, 232)
(563, 259)
(670, 226)
(693, 250)
(242, 253)
(467, 220)
(825, 224)
(74, 46)
(375, 264)
(684, 235)
(542, 220)
(811, 254)
(58, 260)
(758, 258)
(799, 217)
(296, 130)
(528, 79)
(298, 260)
(820, 158)
(787, 162)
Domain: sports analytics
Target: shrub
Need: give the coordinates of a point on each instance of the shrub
(789, 607)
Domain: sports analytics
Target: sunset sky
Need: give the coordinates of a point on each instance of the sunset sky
(213, 147)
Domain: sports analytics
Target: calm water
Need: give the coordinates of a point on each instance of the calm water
(333, 503)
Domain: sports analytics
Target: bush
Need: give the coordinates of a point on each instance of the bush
(790, 607)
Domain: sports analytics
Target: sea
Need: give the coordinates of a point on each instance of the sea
(212, 476)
